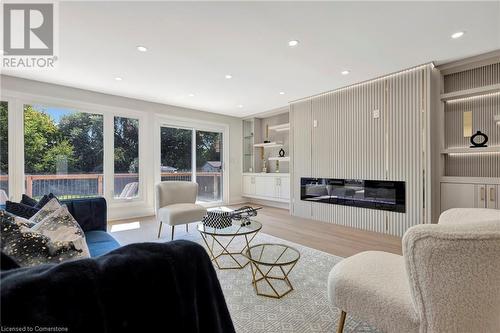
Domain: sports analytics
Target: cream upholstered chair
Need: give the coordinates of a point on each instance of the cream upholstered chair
(448, 279)
(175, 204)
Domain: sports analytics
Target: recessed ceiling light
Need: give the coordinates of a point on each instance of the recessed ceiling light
(228, 76)
(118, 78)
(293, 43)
(239, 105)
(345, 72)
(282, 92)
(458, 34)
(141, 48)
(191, 95)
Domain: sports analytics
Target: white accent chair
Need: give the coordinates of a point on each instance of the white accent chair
(175, 204)
(448, 279)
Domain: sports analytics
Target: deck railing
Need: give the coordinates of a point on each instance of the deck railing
(85, 185)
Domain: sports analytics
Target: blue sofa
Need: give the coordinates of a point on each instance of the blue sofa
(91, 214)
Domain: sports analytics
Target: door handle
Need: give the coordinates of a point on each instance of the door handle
(492, 194)
(481, 193)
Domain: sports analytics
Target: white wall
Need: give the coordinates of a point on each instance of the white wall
(22, 90)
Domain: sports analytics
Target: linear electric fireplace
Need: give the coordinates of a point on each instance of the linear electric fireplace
(374, 194)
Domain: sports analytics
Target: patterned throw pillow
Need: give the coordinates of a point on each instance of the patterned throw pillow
(20, 209)
(62, 229)
(28, 201)
(29, 247)
(46, 210)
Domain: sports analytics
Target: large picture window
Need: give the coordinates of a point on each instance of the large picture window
(126, 156)
(4, 152)
(63, 152)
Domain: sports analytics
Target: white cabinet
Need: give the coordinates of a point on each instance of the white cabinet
(248, 184)
(284, 188)
(265, 186)
(275, 187)
(460, 195)
(492, 200)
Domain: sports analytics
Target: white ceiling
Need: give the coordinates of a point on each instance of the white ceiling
(192, 45)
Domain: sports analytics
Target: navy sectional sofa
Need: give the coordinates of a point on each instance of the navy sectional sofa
(91, 214)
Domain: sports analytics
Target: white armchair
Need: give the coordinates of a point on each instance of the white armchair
(448, 279)
(175, 204)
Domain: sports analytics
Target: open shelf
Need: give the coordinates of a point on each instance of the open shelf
(467, 150)
(268, 145)
(280, 127)
(493, 88)
(281, 159)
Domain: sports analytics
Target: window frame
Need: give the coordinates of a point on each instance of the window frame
(17, 101)
(185, 123)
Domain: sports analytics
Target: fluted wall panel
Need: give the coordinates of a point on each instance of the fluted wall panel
(349, 142)
(472, 78)
(300, 144)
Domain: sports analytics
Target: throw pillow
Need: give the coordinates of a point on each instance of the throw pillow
(25, 247)
(62, 229)
(45, 200)
(28, 247)
(46, 210)
(20, 209)
(28, 201)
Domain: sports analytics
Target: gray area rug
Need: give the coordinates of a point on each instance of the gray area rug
(305, 309)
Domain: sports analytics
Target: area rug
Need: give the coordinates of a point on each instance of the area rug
(305, 309)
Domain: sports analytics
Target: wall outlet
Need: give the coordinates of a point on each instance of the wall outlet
(315, 123)
(376, 113)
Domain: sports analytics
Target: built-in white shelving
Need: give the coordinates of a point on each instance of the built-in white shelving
(467, 150)
(281, 159)
(493, 88)
(280, 127)
(268, 145)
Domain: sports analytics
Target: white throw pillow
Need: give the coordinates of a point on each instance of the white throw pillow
(63, 230)
(45, 211)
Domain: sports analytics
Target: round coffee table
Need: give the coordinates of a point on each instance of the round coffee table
(271, 264)
(218, 246)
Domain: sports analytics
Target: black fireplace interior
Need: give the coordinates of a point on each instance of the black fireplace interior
(374, 194)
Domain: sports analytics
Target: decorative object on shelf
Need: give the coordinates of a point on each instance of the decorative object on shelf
(267, 135)
(217, 219)
(479, 140)
(250, 169)
(264, 168)
(277, 166)
(281, 153)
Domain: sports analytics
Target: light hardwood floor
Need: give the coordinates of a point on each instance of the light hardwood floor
(327, 237)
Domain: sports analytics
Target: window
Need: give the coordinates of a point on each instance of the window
(209, 166)
(63, 152)
(126, 154)
(4, 153)
(176, 154)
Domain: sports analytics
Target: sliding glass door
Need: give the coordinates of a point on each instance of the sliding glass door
(189, 154)
(176, 154)
(209, 166)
